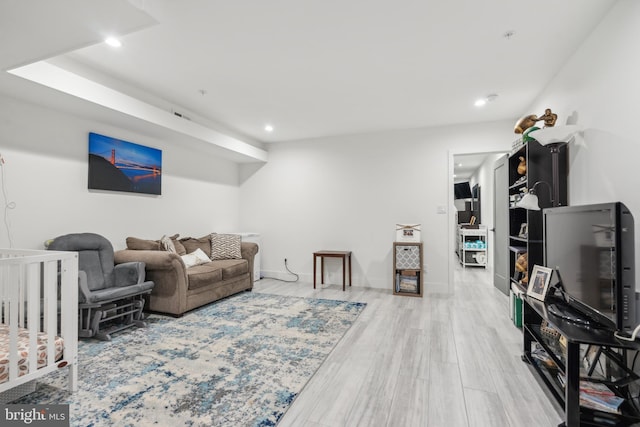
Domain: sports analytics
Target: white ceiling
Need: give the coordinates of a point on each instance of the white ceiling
(311, 68)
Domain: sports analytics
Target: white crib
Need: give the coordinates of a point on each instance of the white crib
(38, 318)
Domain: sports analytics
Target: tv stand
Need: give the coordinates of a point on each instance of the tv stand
(562, 379)
(568, 313)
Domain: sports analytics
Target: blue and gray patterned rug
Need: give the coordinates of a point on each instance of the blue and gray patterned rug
(238, 362)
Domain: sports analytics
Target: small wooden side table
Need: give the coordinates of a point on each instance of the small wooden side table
(345, 255)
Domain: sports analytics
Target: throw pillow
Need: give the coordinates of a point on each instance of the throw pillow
(167, 244)
(180, 249)
(195, 258)
(191, 244)
(225, 246)
(142, 245)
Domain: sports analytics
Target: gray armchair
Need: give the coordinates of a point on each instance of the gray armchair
(111, 297)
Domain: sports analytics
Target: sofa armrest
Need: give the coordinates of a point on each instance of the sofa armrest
(167, 271)
(129, 273)
(248, 250)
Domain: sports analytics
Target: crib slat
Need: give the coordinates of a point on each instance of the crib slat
(69, 315)
(13, 296)
(33, 312)
(50, 278)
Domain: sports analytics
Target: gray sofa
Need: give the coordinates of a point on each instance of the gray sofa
(179, 288)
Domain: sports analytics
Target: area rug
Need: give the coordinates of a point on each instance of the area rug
(238, 362)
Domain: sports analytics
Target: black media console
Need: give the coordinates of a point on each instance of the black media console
(562, 373)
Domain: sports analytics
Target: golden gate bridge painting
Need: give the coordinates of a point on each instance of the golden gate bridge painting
(118, 165)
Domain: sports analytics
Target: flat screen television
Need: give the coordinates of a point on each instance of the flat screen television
(462, 190)
(592, 249)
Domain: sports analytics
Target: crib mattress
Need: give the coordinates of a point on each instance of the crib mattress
(23, 351)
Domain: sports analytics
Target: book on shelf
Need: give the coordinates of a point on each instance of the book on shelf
(597, 396)
(601, 402)
(406, 284)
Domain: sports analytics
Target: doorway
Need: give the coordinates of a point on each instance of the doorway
(478, 170)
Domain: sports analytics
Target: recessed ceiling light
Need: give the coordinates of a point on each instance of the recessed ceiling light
(483, 101)
(113, 42)
(268, 128)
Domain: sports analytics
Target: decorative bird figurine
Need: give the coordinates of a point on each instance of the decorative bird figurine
(526, 122)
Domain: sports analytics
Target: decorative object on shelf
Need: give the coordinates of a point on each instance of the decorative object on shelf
(523, 230)
(530, 200)
(525, 135)
(522, 166)
(522, 266)
(540, 277)
(549, 331)
(525, 123)
(549, 118)
(408, 233)
(555, 135)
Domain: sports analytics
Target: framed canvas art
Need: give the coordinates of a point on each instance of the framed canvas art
(117, 165)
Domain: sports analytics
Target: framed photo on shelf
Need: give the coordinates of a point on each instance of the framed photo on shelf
(539, 282)
(523, 230)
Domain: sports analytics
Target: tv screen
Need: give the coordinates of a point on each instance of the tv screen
(118, 165)
(592, 247)
(462, 190)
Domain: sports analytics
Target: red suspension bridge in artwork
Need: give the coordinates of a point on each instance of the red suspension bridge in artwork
(123, 164)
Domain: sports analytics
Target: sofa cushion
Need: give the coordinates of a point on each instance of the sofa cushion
(142, 244)
(191, 244)
(204, 275)
(233, 267)
(225, 246)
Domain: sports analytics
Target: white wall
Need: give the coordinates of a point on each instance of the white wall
(599, 89)
(45, 174)
(348, 192)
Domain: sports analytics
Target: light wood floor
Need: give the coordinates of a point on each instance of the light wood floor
(447, 359)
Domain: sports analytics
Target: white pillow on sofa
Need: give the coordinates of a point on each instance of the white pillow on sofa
(196, 257)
